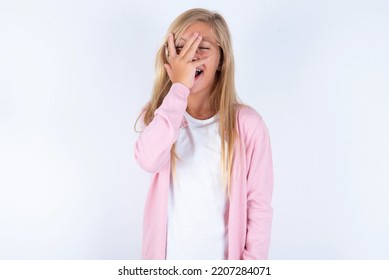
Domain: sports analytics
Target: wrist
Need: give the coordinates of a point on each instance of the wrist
(181, 87)
(184, 83)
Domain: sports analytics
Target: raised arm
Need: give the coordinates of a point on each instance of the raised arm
(152, 148)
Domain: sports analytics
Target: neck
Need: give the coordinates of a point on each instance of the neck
(198, 106)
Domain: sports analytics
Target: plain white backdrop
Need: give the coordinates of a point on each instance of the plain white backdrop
(75, 74)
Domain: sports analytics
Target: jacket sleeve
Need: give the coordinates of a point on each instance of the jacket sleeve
(259, 194)
(152, 148)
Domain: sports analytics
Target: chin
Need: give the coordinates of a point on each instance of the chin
(200, 85)
(197, 89)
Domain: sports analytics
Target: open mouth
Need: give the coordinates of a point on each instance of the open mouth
(198, 73)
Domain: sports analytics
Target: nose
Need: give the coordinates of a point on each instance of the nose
(196, 55)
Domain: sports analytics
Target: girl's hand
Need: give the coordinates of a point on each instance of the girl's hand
(182, 67)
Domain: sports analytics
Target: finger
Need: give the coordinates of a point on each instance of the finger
(168, 69)
(193, 48)
(199, 62)
(170, 45)
(189, 43)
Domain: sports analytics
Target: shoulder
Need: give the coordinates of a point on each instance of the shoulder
(248, 118)
(250, 125)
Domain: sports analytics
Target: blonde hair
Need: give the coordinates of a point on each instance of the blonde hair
(223, 98)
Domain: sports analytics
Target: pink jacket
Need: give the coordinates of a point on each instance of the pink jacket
(250, 211)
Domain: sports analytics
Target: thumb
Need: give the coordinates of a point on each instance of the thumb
(168, 69)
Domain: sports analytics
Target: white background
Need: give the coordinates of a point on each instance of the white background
(75, 74)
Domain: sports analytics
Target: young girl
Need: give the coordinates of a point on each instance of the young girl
(209, 155)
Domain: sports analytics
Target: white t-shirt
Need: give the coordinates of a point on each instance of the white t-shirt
(197, 200)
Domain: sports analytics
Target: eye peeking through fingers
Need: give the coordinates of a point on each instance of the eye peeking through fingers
(178, 49)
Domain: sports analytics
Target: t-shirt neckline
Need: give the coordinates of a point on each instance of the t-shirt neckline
(198, 122)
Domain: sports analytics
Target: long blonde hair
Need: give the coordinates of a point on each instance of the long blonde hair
(223, 98)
